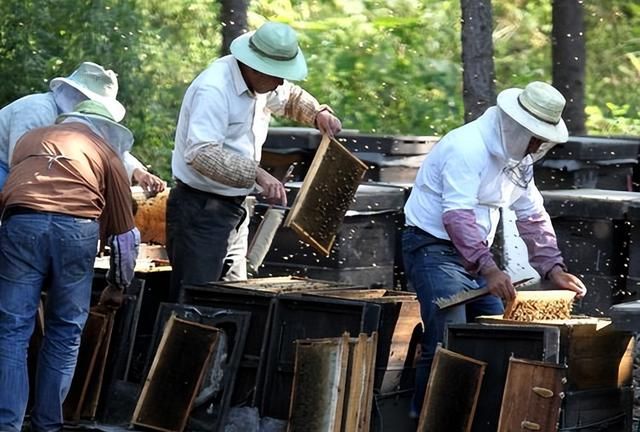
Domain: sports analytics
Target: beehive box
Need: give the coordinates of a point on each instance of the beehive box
(399, 333)
(365, 250)
(597, 355)
(259, 297)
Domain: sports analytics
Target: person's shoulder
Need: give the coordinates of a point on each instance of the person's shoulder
(217, 75)
(463, 143)
(34, 104)
(36, 99)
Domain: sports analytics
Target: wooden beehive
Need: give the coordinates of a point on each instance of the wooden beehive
(597, 355)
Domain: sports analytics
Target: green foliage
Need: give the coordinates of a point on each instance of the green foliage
(385, 66)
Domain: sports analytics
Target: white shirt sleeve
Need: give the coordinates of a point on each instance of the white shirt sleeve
(131, 163)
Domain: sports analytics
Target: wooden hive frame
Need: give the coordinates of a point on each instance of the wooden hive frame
(326, 194)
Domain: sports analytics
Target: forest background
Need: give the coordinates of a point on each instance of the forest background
(386, 67)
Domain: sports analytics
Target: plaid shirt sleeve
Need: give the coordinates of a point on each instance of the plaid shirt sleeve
(224, 166)
(302, 107)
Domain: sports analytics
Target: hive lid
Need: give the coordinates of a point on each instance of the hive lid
(589, 203)
(596, 148)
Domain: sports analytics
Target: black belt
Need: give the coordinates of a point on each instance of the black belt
(423, 233)
(237, 200)
(17, 210)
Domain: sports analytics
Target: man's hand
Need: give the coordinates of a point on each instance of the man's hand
(499, 283)
(111, 298)
(327, 123)
(149, 182)
(564, 280)
(272, 188)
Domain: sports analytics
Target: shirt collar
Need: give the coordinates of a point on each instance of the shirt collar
(238, 81)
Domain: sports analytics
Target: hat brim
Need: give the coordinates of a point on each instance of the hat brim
(116, 109)
(508, 102)
(291, 70)
(122, 135)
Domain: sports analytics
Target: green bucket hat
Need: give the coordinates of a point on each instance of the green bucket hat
(117, 136)
(96, 83)
(273, 50)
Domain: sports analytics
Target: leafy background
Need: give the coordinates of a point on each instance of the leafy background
(384, 66)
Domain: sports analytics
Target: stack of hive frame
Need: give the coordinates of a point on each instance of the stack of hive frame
(540, 305)
(333, 384)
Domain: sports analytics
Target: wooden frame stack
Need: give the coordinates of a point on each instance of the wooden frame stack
(333, 384)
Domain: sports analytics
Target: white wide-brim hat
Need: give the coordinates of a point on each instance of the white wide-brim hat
(538, 108)
(95, 83)
(273, 50)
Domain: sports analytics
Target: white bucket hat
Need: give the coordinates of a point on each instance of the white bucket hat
(116, 135)
(97, 84)
(538, 108)
(273, 50)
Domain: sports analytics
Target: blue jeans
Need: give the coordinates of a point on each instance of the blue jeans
(434, 269)
(35, 247)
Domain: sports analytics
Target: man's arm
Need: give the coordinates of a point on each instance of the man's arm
(27, 114)
(138, 172)
(476, 254)
(297, 104)
(535, 229)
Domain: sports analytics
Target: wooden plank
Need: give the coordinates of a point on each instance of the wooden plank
(92, 398)
(176, 375)
(532, 396)
(326, 194)
(318, 385)
(452, 393)
(372, 345)
(90, 343)
(357, 383)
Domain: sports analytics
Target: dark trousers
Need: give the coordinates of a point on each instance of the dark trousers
(198, 228)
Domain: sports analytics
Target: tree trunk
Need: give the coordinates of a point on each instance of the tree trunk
(233, 16)
(478, 76)
(568, 51)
